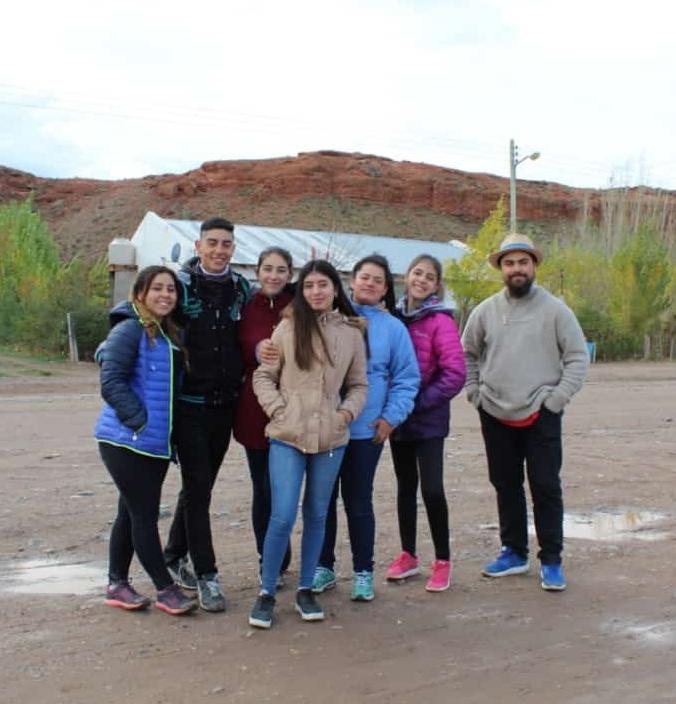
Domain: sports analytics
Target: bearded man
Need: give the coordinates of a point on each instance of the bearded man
(526, 356)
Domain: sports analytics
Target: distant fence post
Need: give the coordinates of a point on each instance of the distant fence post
(72, 340)
(646, 347)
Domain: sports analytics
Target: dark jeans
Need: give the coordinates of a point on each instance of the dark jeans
(539, 446)
(260, 501)
(202, 435)
(424, 460)
(139, 480)
(356, 476)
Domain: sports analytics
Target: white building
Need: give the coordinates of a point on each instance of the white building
(172, 242)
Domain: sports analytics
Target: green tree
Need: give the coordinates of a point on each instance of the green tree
(641, 282)
(472, 278)
(579, 276)
(37, 289)
(29, 262)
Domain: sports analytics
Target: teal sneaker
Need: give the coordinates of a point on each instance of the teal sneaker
(362, 586)
(324, 579)
(552, 578)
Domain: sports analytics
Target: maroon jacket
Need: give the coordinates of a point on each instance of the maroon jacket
(259, 318)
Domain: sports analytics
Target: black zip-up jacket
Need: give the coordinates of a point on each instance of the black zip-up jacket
(209, 311)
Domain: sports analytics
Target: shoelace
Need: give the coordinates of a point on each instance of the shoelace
(362, 579)
(214, 588)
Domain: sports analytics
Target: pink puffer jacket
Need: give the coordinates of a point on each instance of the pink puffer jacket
(442, 369)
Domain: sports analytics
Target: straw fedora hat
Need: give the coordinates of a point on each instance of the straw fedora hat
(516, 243)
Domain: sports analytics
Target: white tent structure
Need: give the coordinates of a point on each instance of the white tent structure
(159, 240)
(172, 242)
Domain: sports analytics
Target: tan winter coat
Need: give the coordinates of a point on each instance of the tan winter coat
(303, 406)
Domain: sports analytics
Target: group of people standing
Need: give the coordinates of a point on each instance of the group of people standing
(312, 383)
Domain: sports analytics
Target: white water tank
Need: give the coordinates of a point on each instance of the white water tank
(121, 252)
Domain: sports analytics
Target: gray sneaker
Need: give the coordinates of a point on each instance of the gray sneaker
(210, 593)
(183, 574)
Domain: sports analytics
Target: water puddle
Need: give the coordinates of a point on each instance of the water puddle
(52, 577)
(613, 526)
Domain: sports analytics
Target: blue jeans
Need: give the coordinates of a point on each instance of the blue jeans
(357, 473)
(287, 467)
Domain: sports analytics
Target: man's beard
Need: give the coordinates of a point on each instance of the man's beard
(521, 289)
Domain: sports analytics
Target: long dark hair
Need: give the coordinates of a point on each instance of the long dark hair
(380, 261)
(305, 326)
(139, 291)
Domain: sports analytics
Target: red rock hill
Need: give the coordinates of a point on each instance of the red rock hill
(321, 190)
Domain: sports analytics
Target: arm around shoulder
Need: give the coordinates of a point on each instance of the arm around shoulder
(266, 376)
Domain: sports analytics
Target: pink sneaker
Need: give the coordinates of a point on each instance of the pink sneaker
(404, 566)
(440, 579)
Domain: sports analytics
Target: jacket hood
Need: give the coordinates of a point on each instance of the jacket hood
(120, 312)
(432, 304)
(190, 266)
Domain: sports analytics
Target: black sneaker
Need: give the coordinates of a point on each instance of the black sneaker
(261, 614)
(307, 606)
(182, 573)
(210, 593)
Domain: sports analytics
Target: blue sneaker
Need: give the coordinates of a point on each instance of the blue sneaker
(506, 563)
(552, 578)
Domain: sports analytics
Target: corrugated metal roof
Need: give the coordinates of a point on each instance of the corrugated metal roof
(158, 239)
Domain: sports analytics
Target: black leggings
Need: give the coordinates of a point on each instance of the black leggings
(422, 459)
(139, 480)
(261, 500)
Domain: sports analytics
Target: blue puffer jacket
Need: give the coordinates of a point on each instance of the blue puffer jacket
(392, 372)
(137, 387)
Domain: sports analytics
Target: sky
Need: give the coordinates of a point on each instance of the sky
(126, 89)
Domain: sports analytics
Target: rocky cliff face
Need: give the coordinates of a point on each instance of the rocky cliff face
(321, 190)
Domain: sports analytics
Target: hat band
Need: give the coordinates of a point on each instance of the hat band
(523, 246)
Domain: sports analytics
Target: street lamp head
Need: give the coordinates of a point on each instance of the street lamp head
(534, 156)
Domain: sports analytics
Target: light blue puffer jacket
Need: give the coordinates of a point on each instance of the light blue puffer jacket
(392, 372)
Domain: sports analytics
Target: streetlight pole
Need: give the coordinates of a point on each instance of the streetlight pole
(514, 161)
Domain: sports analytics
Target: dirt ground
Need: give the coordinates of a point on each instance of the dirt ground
(610, 637)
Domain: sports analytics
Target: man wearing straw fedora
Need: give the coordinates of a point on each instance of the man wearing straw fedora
(526, 357)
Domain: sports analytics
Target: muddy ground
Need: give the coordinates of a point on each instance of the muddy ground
(610, 637)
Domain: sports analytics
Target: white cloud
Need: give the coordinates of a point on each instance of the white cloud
(136, 88)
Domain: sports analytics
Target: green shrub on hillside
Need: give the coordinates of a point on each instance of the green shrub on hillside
(37, 289)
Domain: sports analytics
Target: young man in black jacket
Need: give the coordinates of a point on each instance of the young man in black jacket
(210, 303)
